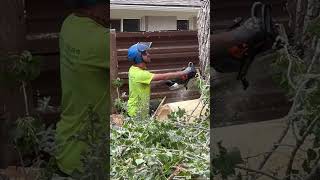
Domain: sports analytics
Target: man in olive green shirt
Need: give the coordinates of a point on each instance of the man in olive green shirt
(140, 79)
(84, 66)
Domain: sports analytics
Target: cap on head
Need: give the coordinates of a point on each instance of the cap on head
(135, 51)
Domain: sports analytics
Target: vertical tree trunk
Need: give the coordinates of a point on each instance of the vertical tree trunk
(204, 37)
(113, 69)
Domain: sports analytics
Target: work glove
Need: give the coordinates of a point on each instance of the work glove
(190, 71)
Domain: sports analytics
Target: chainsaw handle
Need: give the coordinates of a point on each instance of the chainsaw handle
(266, 18)
(254, 12)
(265, 15)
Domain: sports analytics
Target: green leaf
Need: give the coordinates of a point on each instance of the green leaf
(306, 166)
(312, 154)
(235, 156)
(139, 161)
(295, 171)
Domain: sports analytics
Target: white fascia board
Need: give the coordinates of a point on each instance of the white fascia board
(154, 8)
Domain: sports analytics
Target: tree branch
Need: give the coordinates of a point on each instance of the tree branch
(275, 147)
(284, 133)
(26, 103)
(315, 173)
(293, 86)
(298, 145)
(258, 172)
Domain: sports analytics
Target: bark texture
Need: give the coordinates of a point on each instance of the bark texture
(204, 36)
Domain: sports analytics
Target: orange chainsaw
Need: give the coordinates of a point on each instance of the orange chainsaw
(236, 49)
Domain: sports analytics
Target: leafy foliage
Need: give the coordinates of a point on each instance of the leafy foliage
(118, 83)
(314, 27)
(224, 163)
(300, 77)
(120, 105)
(96, 159)
(17, 68)
(149, 149)
(31, 136)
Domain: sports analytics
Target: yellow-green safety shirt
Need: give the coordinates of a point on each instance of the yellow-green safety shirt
(139, 92)
(84, 68)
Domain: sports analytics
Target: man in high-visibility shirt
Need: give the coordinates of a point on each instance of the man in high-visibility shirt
(84, 66)
(140, 79)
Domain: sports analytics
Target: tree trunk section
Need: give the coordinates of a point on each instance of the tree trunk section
(204, 37)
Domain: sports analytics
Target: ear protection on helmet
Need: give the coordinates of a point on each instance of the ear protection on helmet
(136, 51)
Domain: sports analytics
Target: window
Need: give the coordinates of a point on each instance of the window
(115, 24)
(131, 25)
(182, 25)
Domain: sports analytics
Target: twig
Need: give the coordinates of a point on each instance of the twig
(194, 110)
(292, 146)
(25, 98)
(254, 156)
(22, 163)
(315, 173)
(178, 169)
(258, 172)
(118, 93)
(316, 162)
(289, 68)
(202, 110)
(315, 57)
(294, 131)
(298, 145)
(192, 127)
(275, 147)
(187, 154)
(284, 133)
(154, 114)
(174, 150)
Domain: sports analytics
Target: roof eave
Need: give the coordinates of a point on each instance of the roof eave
(155, 8)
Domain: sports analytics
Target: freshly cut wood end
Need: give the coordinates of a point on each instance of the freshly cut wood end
(117, 119)
(193, 108)
(163, 112)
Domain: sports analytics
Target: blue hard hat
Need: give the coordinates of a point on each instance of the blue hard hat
(135, 51)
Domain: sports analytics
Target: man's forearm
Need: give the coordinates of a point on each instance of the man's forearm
(168, 76)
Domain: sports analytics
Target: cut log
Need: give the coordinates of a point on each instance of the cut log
(192, 107)
(117, 119)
